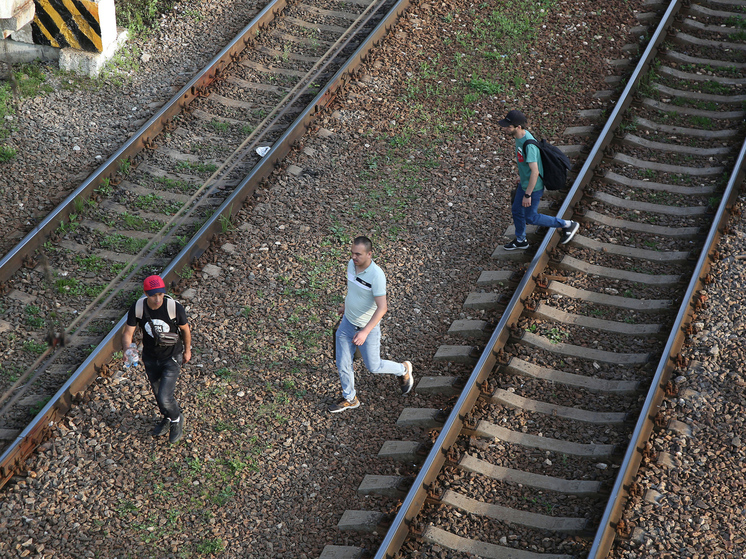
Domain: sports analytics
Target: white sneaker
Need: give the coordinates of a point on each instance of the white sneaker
(407, 379)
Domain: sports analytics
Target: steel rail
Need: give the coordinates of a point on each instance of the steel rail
(166, 232)
(454, 424)
(42, 424)
(13, 260)
(632, 458)
(292, 97)
(643, 428)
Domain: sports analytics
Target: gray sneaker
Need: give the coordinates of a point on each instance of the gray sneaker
(344, 404)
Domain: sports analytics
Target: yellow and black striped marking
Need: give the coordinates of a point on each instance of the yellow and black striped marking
(67, 23)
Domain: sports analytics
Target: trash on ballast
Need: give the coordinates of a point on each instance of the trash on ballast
(262, 151)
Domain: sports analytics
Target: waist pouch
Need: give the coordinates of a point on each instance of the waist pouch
(166, 339)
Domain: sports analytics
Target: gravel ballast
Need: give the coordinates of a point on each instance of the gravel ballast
(264, 470)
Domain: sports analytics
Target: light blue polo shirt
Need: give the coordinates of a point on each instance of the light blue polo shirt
(361, 290)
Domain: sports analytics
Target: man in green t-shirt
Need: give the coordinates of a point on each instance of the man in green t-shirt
(364, 307)
(531, 186)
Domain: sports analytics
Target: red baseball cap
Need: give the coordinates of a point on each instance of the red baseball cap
(153, 285)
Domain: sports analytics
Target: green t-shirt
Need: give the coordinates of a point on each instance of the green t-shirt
(532, 155)
(362, 289)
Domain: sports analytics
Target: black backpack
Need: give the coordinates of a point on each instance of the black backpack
(554, 162)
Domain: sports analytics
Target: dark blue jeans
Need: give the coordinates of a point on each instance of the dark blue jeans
(530, 215)
(163, 374)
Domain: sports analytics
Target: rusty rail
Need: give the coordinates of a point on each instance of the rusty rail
(41, 426)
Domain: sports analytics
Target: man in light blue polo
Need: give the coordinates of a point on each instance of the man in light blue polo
(364, 307)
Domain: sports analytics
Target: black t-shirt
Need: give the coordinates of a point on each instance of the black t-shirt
(162, 323)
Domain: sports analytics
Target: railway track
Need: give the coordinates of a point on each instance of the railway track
(539, 451)
(154, 206)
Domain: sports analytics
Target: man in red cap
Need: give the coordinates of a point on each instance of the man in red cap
(162, 355)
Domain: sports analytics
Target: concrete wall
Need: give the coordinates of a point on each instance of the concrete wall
(14, 14)
(19, 52)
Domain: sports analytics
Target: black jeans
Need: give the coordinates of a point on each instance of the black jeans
(163, 374)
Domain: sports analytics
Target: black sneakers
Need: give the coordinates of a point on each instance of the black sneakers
(569, 232)
(516, 245)
(344, 404)
(407, 379)
(162, 428)
(177, 429)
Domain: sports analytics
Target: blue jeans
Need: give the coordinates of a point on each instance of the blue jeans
(530, 215)
(163, 374)
(371, 352)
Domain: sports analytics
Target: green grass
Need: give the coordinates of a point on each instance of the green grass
(7, 153)
(196, 167)
(704, 105)
(82, 205)
(226, 224)
(139, 223)
(98, 327)
(120, 243)
(555, 335)
(392, 179)
(701, 121)
(31, 80)
(28, 80)
(74, 287)
(198, 486)
(141, 17)
(32, 346)
(173, 184)
(70, 227)
(105, 188)
(477, 58)
(210, 546)
(340, 233)
(32, 317)
(223, 425)
(148, 202)
(486, 86)
(7, 109)
(224, 373)
(11, 372)
(186, 272)
(716, 88)
(125, 166)
(220, 126)
(157, 204)
(91, 263)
